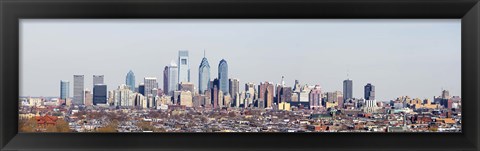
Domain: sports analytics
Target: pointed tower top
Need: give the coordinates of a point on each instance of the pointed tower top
(172, 63)
(348, 72)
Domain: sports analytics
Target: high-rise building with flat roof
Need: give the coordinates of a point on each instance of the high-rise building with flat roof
(150, 83)
(234, 86)
(186, 98)
(78, 90)
(183, 66)
(123, 95)
(141, 89)
(186, 86)
(315, 98)
(64, 90)
(223, 76)
(303, 95)
(347, 89)
(99, 94)
(369, 92)
(88, 97)
(98, 79)
(286, 94)
(265, 93)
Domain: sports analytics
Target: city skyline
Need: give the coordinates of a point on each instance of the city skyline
(328, 82)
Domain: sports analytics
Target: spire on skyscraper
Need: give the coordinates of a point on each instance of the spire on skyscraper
(172, 63)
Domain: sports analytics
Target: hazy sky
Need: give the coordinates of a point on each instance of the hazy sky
(400, 57)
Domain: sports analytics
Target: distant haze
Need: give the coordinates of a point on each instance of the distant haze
(417, 58)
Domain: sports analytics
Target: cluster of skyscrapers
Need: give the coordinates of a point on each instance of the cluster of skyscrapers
(222, 91)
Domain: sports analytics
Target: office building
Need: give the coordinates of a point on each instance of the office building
(172, 78)
(139, 100)
(186, 98)
(296, 86)
(214, 93)
(203, 75)
(315, 97)
(130, 80)
(141, 89)
(183, 66)
(278, 91)
(98, 79)
(445, 94)
(78, 90)
(234, 87)
(176, 97)
(249, 93)
(150, 83)
(347, 89)
(286, 94)
(88, 97)
(165, 79)
(265, 93)
(223, 76)
(369, 92)
(186, 86)
(99, 94)
(303, 95)
(64, 90)
(122, 96)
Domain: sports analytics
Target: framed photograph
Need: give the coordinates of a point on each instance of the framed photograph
(239, 75)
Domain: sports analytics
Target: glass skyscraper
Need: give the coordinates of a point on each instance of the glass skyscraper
(203, 75)
(64, 89)
(223, 76)
(165, 80)
(78, 89)
(99, 94)
(172, 78)
(369, 92)
(347, 89)
(183, 66)
(130, 80)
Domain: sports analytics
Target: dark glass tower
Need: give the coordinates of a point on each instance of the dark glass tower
(99, 94)
(64, 90)
(165, 80)
(347, 89)
(369, 92)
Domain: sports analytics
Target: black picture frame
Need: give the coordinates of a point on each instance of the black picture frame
(13, 10)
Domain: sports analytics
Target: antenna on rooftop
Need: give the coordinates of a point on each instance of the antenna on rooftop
(348, 72)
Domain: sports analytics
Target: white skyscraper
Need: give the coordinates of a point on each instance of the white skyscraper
(122, 96)
(183, 66)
